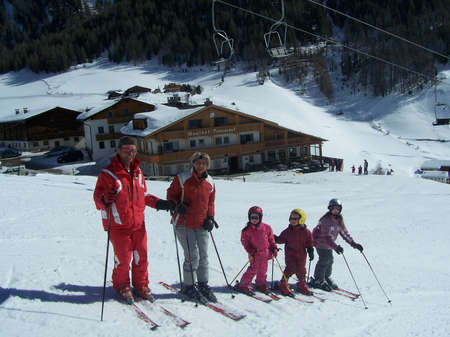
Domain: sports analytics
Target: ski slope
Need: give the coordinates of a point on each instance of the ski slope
(52, 245)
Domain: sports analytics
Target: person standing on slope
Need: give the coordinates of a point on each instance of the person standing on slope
(298, 240)
(325, 234)
(257, 239)
(194, 192)
(120, 196)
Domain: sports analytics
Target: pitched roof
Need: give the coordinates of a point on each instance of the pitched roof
(106, 105)
(22, 116)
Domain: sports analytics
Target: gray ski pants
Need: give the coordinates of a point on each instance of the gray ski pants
(324, 266)
(198, 252)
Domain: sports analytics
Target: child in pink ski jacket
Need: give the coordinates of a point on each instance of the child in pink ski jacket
(257, 239)
(298, 240)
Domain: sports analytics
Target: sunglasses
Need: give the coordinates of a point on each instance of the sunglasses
(254, 217)
(293, 218)
(124, 149)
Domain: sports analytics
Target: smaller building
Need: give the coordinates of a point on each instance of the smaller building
(437, 170)
(136, 91)
(41, 129)
(102, 124)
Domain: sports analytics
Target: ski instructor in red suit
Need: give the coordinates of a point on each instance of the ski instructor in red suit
(121, 196)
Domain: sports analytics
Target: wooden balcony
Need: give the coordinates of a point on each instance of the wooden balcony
(108, 136)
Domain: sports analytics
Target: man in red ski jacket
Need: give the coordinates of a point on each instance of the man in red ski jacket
(120, 195)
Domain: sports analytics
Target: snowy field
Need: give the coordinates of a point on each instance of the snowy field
(53, 253)
(52, 245)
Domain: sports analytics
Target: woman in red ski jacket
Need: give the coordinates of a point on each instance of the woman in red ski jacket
(120, 195)
(258, 241)
(298, 240)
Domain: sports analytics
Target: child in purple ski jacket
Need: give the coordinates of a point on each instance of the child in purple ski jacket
(257, 239)
(325, 235)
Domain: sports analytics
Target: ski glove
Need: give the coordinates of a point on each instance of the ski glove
(209, 223)
(181, 208)
(339, 249)
(166, 205)
(274, 251)
(310, 253)
(358, 246)
(109, 197)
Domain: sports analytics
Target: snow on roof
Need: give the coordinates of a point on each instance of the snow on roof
(161, 117)
(97, 109)
(435, 174)
(21, 115)
(434, 164)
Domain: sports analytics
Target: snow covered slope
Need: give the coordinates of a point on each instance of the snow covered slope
(52, 248)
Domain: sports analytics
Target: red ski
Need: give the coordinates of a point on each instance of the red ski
(143, 316)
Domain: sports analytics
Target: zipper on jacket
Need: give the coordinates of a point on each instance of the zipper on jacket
(137, 192)
(129, 194)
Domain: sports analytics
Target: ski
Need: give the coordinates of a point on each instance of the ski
(217, 307)
(272, 295)
(252, 294)
(143, 316)
(348, 292)
(344, 294)
(318, 298)
(179, 322)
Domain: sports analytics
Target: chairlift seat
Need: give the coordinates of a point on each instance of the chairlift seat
(279, 52)
(441, 121)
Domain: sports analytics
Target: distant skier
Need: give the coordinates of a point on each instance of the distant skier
(298, 240)
(257, 239)
(366, 167)
(353, 169)
(325, 235)
(120, 196)
(359, 170)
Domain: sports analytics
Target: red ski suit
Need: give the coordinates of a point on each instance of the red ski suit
(296, 240)
(127, 220)
(257, 241)
(197, 193)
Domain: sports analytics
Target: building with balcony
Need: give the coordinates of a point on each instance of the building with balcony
(102, 124)
(41, 129)
(236, 141)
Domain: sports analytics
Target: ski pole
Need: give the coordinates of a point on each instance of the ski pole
(106, 262)
(271, 283)
(281, 269)
(240, 271)
(389, 301)
(309, 268)
(176, 248)
(351, 274)
(220, 261)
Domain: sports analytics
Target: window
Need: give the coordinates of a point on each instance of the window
(250, 158)
(101, 145)
(113, 144)
(125, 112)
(77, 139)
(110, 114)
(226, 140)
(66, 139)
(247, 139)
(45, 142)
(218, 140)
(36, 143)
(201, 142)
(193, 143)
(292, 152)
(101, 129)
(281, 155)
(168, 147)
(111, 129)
(195, 123)
(57, 143)
(271, 156)
(220, 121)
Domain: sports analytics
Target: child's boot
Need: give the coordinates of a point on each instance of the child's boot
(284, 288)
(302, 288)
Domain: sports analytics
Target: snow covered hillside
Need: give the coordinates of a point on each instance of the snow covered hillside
(394, 132)
(53, 252)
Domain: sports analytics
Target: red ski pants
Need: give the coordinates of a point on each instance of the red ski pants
(295, 265)
(129, 246)
(257, 267)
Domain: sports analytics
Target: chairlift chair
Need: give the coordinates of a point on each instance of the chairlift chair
(275, 44)
(223, 44)
(444, 110)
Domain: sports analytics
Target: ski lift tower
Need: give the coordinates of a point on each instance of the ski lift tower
(441, 111)
(222, 43)
(276, 42)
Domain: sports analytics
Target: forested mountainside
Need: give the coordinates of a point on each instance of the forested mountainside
(52, 35)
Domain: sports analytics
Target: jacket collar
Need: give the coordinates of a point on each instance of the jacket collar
(117, 164)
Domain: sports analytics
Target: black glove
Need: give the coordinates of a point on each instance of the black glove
(181, 208)
(310, 253)
(109, 197)
(274, 251)
(358, 246)
(166, 205)
(339, 249)
(209, 223)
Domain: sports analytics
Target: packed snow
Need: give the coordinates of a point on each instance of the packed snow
(53, 245)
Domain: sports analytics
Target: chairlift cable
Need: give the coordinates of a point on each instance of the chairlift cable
(381, 30)
(426, 76)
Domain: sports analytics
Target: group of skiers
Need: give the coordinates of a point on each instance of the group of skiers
(121, 196)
